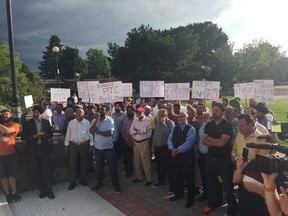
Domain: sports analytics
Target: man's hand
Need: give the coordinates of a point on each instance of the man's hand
(284, 201)
(91, 148)
(269, 180)
(66, 149)
(241, 164)
(174, 152)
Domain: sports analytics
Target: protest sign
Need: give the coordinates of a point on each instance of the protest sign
(28, 101)
(92, 91)
(127, 89)
(244, 90)
(83, 92)
(59, 94)
(109, 92)
(264, 90)
(177, 91)
(151, 88)
(206, 89)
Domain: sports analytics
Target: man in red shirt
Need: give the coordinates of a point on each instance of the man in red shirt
(8, 157)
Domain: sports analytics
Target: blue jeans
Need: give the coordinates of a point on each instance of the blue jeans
(110, 156)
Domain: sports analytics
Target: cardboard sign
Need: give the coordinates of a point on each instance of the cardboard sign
(28, 101)
(59, 94)
(82, 87)
(127, 89)
(264, 90)
(109, 92)
(177, 91)
(244, 90)
(92, 91)
(206, 89)
(151, 88)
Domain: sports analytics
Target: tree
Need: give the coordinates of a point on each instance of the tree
(97, 64)
(48, 67)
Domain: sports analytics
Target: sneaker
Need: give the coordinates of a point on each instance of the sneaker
(157, 184)
(148, 183)
(51, 195)
(117, 190)
(16, 197)
(208, 211)
(10, 198)
(71, 186)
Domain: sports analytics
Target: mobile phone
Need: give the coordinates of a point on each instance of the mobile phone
(245, 154)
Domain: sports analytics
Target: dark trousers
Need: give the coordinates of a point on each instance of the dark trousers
(127, 159)
(119, 147)
(183, 165)
(39, 166)
(163, 164)
(202, 169)
(224, 168)
(82, 151)
(110, 157)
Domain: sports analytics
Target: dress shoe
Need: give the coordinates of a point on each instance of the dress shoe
(42, 195)
(208, 211)
(51, 195)
(157, 184)
(148, 183)
(174, 198)
(83, 183)
(71, 186)
(136, 181)
(117, 189)
(202, 198)
(189, 203)
(97, 187)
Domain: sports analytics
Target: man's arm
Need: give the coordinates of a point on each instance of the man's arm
(190, 139)
(218, 142)
(7, 130)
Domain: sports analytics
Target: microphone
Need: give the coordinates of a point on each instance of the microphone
(270, 146)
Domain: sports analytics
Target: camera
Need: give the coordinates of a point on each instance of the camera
(270, 165)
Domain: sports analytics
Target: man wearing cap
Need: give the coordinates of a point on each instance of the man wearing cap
(8, 157)
(141, 132)
(77, 140)
(37, 133)
(262, 111)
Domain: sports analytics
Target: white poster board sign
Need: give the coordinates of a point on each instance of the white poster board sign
(264, 90)
(109, 92)
(151, 88)
(244, 90)
(92, 91)
(177, 91)
(206, 89)
(59, 94)
(82, 87)
(127, 89)
(28, 101)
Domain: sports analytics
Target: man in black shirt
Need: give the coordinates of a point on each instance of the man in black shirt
(217, 136)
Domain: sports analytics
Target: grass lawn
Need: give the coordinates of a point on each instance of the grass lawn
(280, 109)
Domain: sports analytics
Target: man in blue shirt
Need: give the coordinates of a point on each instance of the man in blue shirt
(103, 129)
(180, 142)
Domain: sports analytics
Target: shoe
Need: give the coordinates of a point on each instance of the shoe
(117, 190)
(174, 198)
(42, 195)
(16, 197)
(83, 183)
(71, 186)
(10, 198)
(148, 183)
(189, 203)
(202, 198)
(51, 195)
(136, 181)
(157, 184)
(208, 211)
(97, 187)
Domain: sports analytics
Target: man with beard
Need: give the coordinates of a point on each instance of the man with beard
(128, 146)
(37, 133)
(180, 142)
(217, 136)
(8, 157)
(118, 116)
(141, 132)
(103, 129)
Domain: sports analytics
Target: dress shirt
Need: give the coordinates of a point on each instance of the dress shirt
(59, 120)
(78, 132)
(202, 148)
(143, 127)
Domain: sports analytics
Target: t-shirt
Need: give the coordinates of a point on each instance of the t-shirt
(7, 142)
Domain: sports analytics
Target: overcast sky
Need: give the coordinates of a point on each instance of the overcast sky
(92, 23)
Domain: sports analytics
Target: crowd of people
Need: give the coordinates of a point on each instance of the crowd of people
(195, 148)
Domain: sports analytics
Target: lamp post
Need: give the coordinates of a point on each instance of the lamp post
(15, 100)
(56, 50)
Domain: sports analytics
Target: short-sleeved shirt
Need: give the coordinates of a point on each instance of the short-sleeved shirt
(216, 131)
(8, 147)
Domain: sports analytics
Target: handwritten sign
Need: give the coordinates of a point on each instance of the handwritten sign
(59, 94)
(92, 91)
(244, 90)
(82, 87)
(109, 92)
(28, 101)
(206, 89)
(151, 88)
(177, 91)
(264, 90)
(127, 89)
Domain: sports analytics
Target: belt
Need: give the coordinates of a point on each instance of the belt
(79, 143)
(140, 140)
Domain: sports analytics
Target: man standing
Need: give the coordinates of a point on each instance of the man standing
(217, 136)
(180, 142)
(77, 140)
(103, 129)
(141, 132)
(8, 157)
(37, 133)
(58, 118)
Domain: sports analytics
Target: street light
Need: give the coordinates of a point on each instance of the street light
(56, 50)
